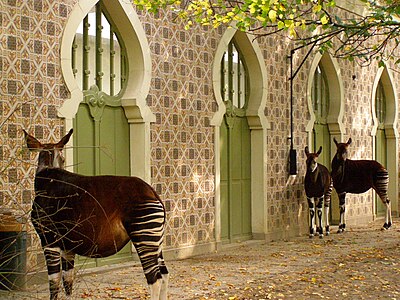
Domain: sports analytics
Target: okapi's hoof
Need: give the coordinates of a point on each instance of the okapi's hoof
(341, 228)
(321, 236)
(311, 236)
(386, 226)
(327, 230)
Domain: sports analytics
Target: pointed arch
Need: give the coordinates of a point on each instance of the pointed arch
(257, 121)
(336, 97)
(334, 115)
(390, 124)
(136, 110)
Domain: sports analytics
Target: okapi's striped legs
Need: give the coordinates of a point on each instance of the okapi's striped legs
(53, 262)
(327, 230)
(56, 259)
(388, 219)
(316, 217)
(381, 185)
(312, 215)
(342, 207)
(319, 214)
(146, 231)
(67, 261)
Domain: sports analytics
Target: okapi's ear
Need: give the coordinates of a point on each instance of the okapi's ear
(32, 143)
(336, 142)
(349, 141)
(64, 140)
(319, 150)
(306, 150)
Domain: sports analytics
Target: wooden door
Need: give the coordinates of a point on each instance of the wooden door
(381, 152)
(102, 148)
(321, 137)
(235, 179)
(380, 140)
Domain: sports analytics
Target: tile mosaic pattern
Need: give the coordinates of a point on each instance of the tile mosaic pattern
(30, 84)
(182, 98)
(182, 139)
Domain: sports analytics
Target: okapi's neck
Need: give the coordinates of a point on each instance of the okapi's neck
(338, 167)
(50, 158)
(314, 173)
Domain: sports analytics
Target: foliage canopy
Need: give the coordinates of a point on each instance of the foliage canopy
(365, 30)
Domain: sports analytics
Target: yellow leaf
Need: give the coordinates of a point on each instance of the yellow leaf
(324, 20)
(272, 15)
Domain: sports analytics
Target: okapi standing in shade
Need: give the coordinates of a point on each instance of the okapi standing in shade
(94, 216)
(358, 176)
(318, 188)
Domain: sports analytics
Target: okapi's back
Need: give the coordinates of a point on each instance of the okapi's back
(357, 176)
(92, 210)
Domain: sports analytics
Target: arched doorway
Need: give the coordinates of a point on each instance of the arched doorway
(235, 148)
(240, 131)
(385, 135)
(380, 139)
(325, 104)
(107, 68)
(320, 102)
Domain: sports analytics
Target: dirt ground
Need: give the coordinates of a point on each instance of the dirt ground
(362, 263)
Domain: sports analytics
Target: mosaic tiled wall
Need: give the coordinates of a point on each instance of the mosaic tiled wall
(182, 139)
(182, 98)
(31, 91)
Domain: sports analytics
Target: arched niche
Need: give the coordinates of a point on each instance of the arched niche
(136, 110)
(257, 121)
(336, 97)
(391, 116)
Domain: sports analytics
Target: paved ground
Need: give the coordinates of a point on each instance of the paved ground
(362, 263)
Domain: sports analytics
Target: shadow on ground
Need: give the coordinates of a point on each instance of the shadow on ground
(362, 263)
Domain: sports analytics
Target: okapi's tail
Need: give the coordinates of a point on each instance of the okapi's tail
(328, 194)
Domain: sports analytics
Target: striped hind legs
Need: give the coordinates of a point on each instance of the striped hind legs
(326, 212)
(154, 269)
(388, 218)
(56, 259)
(68, 272)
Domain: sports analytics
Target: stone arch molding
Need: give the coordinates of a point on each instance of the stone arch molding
(391, 122)
(136, 110)
(258, 124)
(336, 97)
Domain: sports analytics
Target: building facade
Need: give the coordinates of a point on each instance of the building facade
(203, 115)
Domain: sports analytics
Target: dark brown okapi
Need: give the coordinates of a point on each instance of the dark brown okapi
(356, 177)
(318, 188)
(94, 216)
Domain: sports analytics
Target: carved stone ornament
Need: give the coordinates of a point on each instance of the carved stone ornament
(97, 100)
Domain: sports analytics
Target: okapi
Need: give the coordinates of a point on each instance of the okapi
(358, 176)
(318, 188)
(94, 216)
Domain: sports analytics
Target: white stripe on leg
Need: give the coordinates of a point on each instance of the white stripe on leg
(155, 290)
(164, 287)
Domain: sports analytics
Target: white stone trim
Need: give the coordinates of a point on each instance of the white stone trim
(137, 112)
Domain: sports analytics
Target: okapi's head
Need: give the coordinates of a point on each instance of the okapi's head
(50, 155)
(311, 160)
(341, 150)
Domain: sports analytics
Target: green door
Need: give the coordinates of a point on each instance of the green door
(380, 140)
(380, 148)
(321, 135)
(235, 179)
(102, 147)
